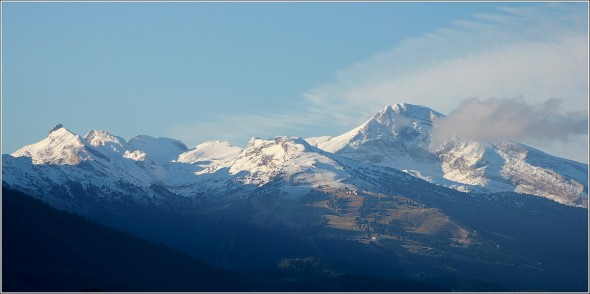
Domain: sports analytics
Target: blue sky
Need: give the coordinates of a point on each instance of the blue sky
(231, 71)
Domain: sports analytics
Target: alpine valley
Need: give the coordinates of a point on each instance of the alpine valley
(380, 204)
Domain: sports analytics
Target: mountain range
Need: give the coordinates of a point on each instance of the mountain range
(397, 137)
(380, 200)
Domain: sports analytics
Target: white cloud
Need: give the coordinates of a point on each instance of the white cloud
(493, 120)
(528, 52)
(536, 52)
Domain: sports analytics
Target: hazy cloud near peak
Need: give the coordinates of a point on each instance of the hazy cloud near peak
(535, 52)
(496, 119)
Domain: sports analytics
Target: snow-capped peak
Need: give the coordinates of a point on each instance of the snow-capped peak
(410, 111)
(56, 127)
(399, 136)
(289, 158)
(279, 147)
(98, 138)
(265, 155)
(401, 124)
(60, 131)
(60, 147)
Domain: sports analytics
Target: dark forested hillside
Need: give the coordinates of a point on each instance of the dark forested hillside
(49, 250)
(45, 249)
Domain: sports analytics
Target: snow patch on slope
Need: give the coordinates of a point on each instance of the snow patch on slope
(157, 149)
(210, 151)
(136, 155)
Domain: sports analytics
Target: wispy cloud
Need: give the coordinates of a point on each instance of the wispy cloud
(536, 52)
(492, 120)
